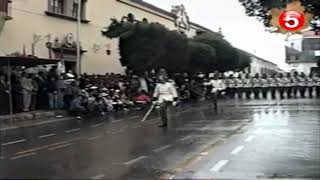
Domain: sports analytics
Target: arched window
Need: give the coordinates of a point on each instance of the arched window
(145, 20)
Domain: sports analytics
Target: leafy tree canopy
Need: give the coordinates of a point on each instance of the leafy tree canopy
(145, 46)
(261, 10)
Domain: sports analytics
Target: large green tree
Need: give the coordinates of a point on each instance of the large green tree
(261, 8)
(202, 57)
(227, 56)
(145, 46)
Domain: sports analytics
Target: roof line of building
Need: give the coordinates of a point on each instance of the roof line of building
(164, 12)
(250, 54)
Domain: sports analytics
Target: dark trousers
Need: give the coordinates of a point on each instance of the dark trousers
(33, 101)
(318, 91)
(295, 91)
(281, 92)
(289, 92)
(256, 91)
(310, 89)
(273, 92)
(214, 98)
(302, 91)
(231, 92)
(247, 92)
(265, 92)
(164, 111)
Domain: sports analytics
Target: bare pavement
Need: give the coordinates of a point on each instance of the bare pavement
(256, 139)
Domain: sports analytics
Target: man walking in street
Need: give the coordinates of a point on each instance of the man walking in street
(217, 87)
(165, 94)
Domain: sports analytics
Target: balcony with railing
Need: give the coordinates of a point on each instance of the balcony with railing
(5, 11)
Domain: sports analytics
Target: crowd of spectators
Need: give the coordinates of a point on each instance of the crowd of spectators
(90, 94)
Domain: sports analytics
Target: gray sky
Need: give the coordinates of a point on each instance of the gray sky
(241, 31)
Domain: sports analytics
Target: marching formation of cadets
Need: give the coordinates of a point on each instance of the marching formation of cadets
(285, 85)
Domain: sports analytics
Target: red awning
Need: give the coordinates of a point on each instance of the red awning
(25, 61)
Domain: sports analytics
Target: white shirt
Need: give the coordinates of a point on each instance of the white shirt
(165, 92)
(217, 85)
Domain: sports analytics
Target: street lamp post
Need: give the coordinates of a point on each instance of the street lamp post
(78, 63)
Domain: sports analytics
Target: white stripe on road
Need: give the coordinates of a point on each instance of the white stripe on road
(94, 138)
(185, 138)
(22, 156)
(60, 147)
(237, 150)
(100, 176)
(97, 125)
(117, 120)
(14, 142)
(72, 130)
(258, 130)
(161, 148)
(250, 138)
(46, 136)
(219, 165)
(135, 160)
(204, 153)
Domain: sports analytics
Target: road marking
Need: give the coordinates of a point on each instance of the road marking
(22, 156)
(204, 153)
(60, 147)
(185, 138)
(237, 150)
(72, 130)
(14, 142)
(94, 138)
(46, 136)
(97, 125)
(250, 138)
(47, 146)
(115, 121)
(100, 176)
(135, 160)
(117, 132)
(258, 130)
(219, 165)
(161, 148)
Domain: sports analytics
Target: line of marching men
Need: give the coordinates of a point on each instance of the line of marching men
(285, 85)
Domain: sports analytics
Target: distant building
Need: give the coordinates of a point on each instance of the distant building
(304, 59)
(261, 66)
(38, 26)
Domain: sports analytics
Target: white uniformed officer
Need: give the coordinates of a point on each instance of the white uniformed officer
(256, 83)
(218, 86)
(265, 86)
(281, 85)
(165, 94)
(302, 84)
(247, 85)
(273, 85)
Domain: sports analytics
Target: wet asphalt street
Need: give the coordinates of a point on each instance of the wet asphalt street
(244, 140)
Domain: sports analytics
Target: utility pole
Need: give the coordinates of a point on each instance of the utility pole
(78, 63)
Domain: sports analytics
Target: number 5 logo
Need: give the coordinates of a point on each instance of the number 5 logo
(291, 20)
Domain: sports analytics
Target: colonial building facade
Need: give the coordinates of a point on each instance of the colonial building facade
(47, 29)
(305, 58)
